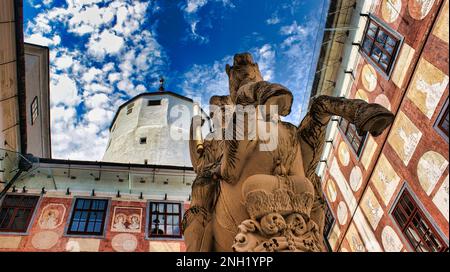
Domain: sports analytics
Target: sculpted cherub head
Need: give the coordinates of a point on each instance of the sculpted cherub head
(243, 71)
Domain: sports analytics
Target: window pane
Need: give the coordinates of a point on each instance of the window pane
(373, 27)
(376, 53)
(389, 49)
(20, 220)
(80, 203)
(94, 205)
(384, 47)
(154, 207)
(10, 201)
(99, 216)
(176, 230)
(7, 218)
(82, 225)
(3, 215)
(400, 217)
(74, 226)
(161, 208)
(87, 204)
(381, 37)
(169, 230)
(367, 45)
(90, 227)
(90, 218)
(418, 232)
(98, 227)
(385, 59)
(391, 41)
(165, 220)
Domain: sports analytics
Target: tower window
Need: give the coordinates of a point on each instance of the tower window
(349, 130)
(380, 45)
(16, 212)
(130, 108)
(415, 226)
(34, 110)
(88, 216)
(165, 219)
(143, 140)
(153, 102)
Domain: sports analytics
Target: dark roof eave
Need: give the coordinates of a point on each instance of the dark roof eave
(146, 94)
(113, 164)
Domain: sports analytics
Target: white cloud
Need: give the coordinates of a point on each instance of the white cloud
(63, 90)
(99, 116)
(98, 100)
(84, 98)
(140, 88)
(63, 62)
(113, 77)
(91, 74)
(273, 20)
(194, 5)
(105, 43)
(265, 57)
(39, 39)
(191, 9)
(61, 113)
(297, 51)
(202, 81)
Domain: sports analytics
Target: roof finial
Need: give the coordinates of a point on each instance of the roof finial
(161, 84)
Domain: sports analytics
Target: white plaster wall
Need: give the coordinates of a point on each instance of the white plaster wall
(166, 127)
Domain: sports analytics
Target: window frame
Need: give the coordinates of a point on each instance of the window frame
(153, 102)
(326, 236)
(68, 233)
(444, 111)
(148, 234)
(34, 110)
(360, 150)
(395, 52)
(425, 217)
(31, 218)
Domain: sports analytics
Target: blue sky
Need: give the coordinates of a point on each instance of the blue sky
(104, 52)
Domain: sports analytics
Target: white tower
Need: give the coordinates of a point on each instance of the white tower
(152, 128)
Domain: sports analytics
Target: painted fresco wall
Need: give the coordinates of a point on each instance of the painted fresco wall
(50, 220)
(362, 190)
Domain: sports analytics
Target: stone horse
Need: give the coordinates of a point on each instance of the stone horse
(247, 198)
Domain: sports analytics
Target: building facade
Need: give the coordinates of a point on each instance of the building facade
(75, 206)
(387, 193)
(11, 70)
(37, 100)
